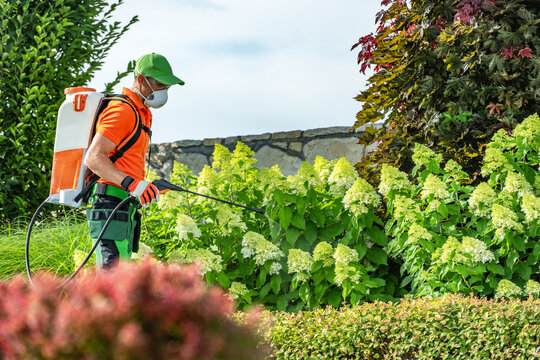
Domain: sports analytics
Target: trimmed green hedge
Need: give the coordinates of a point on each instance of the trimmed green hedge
(451, 327)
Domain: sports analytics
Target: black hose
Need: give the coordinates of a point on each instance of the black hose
(27, 246)
(27, 250)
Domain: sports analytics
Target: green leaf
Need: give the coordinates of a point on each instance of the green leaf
(317, 216)
(320, 290)
(285, 216)
(495, 268)
(318, 277)
(264, 291)
(524, 270)
(304, 292)
(310, 233)
(334, 298)
(302, 204)
(275, 229)
(511, 259)
(529, 173)
(223, 280)
(377, 236)
(377, 256)
(275, 281)
(317, 265)
(278, 196)
(443, 210)
(262, 277)
(374, 282)
(282, 303)
(298, 221)
(292, 235)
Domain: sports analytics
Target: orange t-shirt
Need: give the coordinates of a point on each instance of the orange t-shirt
(116, 123)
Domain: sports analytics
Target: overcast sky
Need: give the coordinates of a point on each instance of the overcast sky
(250, 66)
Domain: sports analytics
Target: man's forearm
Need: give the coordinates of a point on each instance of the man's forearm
(101, 165)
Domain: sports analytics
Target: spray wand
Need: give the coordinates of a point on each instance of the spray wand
(163, 184)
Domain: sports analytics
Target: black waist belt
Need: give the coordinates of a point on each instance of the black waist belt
(104, 215)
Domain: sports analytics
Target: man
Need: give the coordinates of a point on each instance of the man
(126, 120)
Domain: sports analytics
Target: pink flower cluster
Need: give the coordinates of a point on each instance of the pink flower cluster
(145, 311)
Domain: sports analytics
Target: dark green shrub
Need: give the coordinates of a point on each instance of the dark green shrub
(448, 74)
(45, 46)
(142, 311)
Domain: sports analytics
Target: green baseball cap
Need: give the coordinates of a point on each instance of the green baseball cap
(156, 66)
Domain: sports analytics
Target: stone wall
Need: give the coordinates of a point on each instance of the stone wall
(287, 149)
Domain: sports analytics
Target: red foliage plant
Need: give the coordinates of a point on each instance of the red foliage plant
(137, 311)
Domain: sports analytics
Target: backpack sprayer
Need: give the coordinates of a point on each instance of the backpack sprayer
(75, 129)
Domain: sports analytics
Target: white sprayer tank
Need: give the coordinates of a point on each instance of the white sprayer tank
(73, 134)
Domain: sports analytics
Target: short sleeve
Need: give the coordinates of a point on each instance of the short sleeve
(116, 122)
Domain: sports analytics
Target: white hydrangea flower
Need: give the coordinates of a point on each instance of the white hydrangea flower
(508, 289)
(299, 261)
(323, 167)
(528, 129)
(262, 250)
(345, 254)
(228, 219)
(173, 200)
(495, 161)
(532, 288)
(422, 155)
(361, 197)
(275, 268)
(453, 168)
(393, 179)
(143, 251)
(222, 157)
(417, 232)
(204, 258)
(302, 277)
(502, 140)
(345, 271)
(406, 208)
(436, 187)
(477, 250)
(185, 226)
(516, 183)
(531, 208)
(296, 185)
(504, 219)
(324, 252)
(481, 200)
(308, 173)
(271, 179)
(208, 179)
(433, 206)
(237, 289)
(451, 250)
(342, 177)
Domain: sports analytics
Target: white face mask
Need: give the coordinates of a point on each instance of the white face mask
(156, 99)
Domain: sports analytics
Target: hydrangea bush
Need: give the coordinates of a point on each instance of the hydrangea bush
(326, 239)
(456, 238)
(321, 243)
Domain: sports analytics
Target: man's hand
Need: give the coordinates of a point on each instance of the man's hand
(143, 190)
